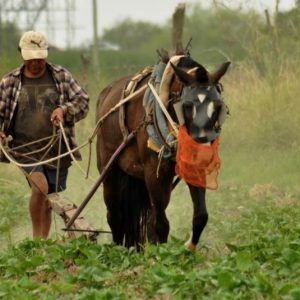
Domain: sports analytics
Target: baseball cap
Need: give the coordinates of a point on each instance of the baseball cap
(33, 45)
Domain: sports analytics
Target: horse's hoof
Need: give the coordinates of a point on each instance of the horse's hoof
(190, 246)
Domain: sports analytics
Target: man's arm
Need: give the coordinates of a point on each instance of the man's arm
(76, 105)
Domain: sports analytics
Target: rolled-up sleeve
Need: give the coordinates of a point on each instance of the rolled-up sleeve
(76, 105)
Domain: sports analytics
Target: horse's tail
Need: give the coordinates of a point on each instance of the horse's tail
(135, 208)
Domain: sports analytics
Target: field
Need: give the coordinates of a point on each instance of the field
(250, 248)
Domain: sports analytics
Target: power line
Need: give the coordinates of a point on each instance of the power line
(47, 13)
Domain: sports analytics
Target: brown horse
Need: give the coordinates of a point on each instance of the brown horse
(135, 196)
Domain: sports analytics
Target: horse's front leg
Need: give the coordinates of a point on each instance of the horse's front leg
(159, 224)
(200, 216)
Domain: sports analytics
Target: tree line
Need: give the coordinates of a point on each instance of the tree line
(215, 33)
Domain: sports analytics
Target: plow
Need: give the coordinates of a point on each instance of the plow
(75, 225)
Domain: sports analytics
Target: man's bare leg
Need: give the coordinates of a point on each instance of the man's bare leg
(40, 211)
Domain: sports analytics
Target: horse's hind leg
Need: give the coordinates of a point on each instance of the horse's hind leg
(113, 205)
(200, 215)
(127, 203)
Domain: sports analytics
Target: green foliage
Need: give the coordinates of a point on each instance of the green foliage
(125, 63)
(263, 108)
(10, 35)
(69, 59)
(230, 32)
(12, 211)
(130, 35)
(287, 28)
(262, 260)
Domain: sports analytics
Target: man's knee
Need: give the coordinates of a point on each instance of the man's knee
(38, 183)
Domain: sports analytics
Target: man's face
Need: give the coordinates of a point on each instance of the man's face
(35, 66)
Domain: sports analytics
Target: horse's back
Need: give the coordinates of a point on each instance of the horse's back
(113, 129)
(110, 96)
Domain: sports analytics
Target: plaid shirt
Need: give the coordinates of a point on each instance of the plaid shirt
(73, 100)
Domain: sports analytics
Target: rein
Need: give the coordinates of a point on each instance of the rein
(12, 160)
(52, 137)
(123, 101)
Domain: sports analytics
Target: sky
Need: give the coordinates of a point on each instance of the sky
(156, 11)
(112, 11)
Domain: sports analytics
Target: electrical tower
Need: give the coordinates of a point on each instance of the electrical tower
(54, 17)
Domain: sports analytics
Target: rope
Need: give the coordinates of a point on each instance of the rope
(100, 121)
(32, 158)
(71, 151)
(12, 160)
(58, 163)
(89, 161)
(46, 152)
(57, 177)
(52, 137)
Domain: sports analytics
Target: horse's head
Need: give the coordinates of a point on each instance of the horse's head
(203, 107)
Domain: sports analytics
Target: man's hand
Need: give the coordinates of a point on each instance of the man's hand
(57, 116)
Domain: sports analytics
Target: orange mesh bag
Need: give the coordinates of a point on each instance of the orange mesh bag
(197, 164)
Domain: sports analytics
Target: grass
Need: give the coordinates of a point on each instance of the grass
(259, 259)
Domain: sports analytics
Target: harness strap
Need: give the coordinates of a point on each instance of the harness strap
(163, 108)
(122, 125)
(138, 77)
(129, 89)
(157, 129)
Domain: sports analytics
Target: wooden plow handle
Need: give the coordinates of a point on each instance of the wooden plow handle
(99, 181)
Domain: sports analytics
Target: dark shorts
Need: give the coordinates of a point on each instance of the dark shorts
(50, 175)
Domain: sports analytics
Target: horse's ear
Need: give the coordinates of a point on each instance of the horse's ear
(216, 76)
(183, 76)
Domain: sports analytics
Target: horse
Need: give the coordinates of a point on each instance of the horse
(138, 185)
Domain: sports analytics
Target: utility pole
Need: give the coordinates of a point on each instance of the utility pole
(95, 40)
(177, 30)
(27, 14)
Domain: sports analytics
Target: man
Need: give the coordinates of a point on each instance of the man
(34, 99)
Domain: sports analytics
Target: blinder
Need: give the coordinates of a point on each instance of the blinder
(204, 112)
